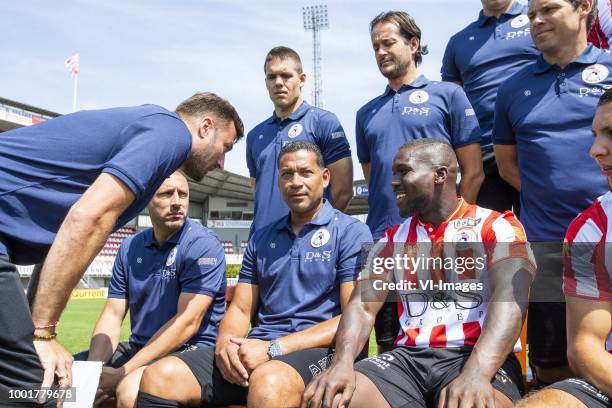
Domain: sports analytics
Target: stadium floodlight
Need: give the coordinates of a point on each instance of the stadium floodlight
(315, 20)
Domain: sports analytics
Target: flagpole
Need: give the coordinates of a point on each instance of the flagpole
(74, 94)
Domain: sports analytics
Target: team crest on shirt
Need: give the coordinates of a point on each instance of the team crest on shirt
(171, 257)
(519, 21)
(418, 97)
(295, 131)
(466, 235)
(319, 238)
(595, 73)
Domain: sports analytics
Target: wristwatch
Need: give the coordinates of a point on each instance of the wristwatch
(274, 349)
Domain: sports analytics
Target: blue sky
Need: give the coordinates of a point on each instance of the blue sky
(154, 51)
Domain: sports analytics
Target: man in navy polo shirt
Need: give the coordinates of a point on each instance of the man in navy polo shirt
(293, 119)
(172, 278)
(411, 107)
(479, 58)
(542, 135)
(65, 184)
(297, 275)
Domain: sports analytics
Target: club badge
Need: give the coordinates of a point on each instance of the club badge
(319, 238)
(418, 97)
(295, 131)
(171, 257)
(519, 21)
(594, 74)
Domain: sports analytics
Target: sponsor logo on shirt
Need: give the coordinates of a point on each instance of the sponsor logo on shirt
(319, 238)
(207, 261)
(337, 135)
(312, 256)
(418, 97)
(466, 222)
(139, 260)
(519, 21)
(517, 34)
(596, 91)
(411, 110)
(295, 130)
(168, 274)
(171, 257)
(595, 73)
(469, 112)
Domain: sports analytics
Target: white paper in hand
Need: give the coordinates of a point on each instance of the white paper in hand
(85, 379)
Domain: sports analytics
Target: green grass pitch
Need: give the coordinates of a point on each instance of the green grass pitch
(80, 317)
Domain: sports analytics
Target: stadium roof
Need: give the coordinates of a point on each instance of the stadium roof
(221, 183)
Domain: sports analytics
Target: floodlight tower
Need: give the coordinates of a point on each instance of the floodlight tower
(315, 19)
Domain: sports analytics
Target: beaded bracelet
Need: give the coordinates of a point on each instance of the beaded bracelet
(46, 337)
(49, 326)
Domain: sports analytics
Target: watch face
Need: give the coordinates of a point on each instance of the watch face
(274, 349)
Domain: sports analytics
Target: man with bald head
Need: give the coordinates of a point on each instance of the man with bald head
(172, 279)
(463, 288)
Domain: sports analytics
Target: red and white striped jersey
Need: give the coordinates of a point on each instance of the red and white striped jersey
(601, 31)
(588, 260)
(469, 232)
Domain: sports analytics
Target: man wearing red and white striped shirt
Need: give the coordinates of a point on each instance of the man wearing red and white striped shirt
(601, 31)
(587, 284)
(460, 320)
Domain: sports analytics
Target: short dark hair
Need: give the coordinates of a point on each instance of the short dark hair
(282, 53)
(208, 103)
(592, 14)
(606, 98)
(300, 145)
(408, 29)
(441, 149)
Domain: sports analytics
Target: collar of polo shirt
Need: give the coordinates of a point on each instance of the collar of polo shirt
(323, 218)
(419, 82)
(514, 10)
(296, 115)
(589, 56)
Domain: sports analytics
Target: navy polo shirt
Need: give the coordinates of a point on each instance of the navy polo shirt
(45, 168)
(299, 277)
(152, 278)
(486, 53)
(547, 113)
(265, 141)
(422, 109)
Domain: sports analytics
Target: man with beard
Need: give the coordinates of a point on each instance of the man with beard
(411, 107)
(65, 184)
(293, 120)
(172, 279)
(587, 283)
(542, 135)
(297, 275)
(455, 348)
(479, 58)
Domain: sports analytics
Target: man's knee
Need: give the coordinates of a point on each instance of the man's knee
(550, 398)
(273, 382)
(127, 390)
(170, 378)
